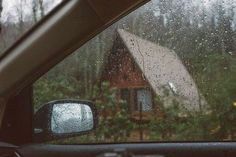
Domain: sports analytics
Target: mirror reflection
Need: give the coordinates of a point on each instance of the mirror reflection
(71, 118)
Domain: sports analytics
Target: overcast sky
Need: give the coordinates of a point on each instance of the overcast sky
(10, 8)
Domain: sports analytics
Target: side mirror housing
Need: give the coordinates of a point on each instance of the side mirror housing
(64, 118)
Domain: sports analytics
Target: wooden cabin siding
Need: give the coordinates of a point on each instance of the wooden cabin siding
(123, 72)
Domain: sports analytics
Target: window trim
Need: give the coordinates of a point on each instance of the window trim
(132, 104)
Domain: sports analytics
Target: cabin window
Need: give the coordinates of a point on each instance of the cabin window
(144, 100)
(137, 99)
(125, 95)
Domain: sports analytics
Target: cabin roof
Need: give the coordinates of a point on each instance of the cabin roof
(162, 68)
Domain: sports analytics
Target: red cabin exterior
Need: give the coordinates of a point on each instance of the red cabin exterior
(123, 73)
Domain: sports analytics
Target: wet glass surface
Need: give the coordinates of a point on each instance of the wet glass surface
(71, 118)
(18, 16)
(166, 72)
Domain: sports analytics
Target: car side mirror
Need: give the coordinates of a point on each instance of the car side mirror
(64, 118)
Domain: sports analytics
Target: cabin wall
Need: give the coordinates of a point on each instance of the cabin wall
(122, 72)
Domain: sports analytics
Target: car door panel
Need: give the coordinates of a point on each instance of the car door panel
(223, 149)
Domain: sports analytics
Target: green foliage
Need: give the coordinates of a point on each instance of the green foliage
(46, 89)
(215, 75)
(114, 121)
(178, 124)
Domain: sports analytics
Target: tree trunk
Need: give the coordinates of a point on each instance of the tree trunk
(34, 11)
(1, 7)
(41, 7)
(21, 16)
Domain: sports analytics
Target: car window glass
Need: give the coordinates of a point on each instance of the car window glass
(18, 16)
(165, 72)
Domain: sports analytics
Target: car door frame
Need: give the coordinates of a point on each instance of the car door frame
(34, 54)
